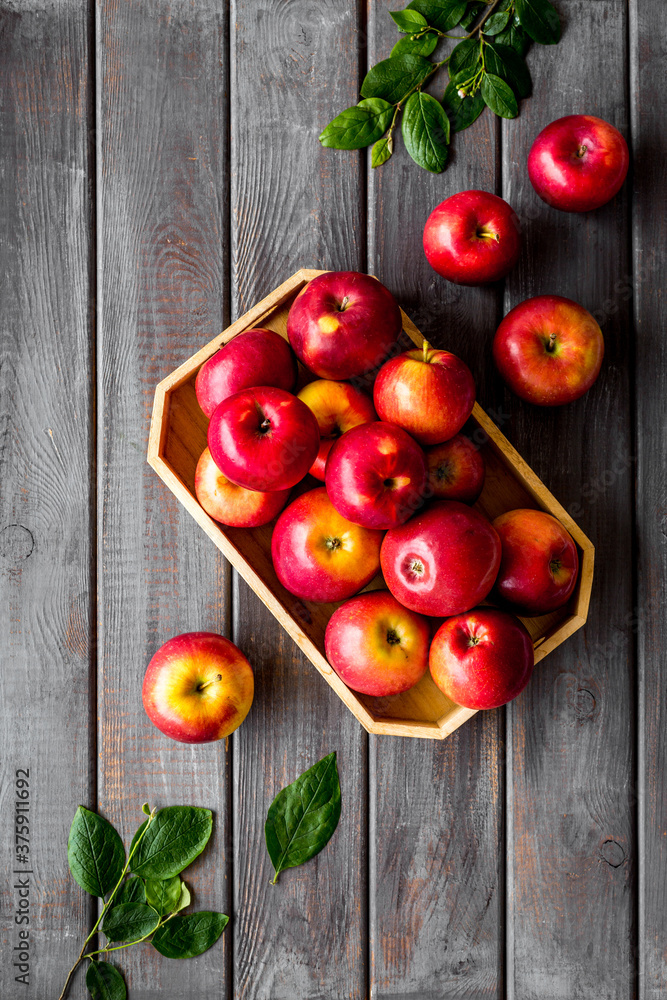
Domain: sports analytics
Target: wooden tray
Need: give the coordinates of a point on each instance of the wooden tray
(177, 438)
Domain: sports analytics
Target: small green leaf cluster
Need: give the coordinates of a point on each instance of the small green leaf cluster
(486, 69)
(144, 895)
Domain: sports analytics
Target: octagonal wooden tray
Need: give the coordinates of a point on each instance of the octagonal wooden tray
(177, 438)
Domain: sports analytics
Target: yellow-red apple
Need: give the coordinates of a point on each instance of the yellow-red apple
(338, 407)
(231, 504)
(456, 470)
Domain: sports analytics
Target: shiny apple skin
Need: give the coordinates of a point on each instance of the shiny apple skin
(429, 393)
(376, 646)
(539, 564)
(170, 692)
(456, 470)
(231, 504)
(444, 561)
(264, 439)
(319, 555)
(578, 163)
(376, 475)
(337, 343)
(338, 407)
(256, 357)
(542, 376)
(472, 238)
(482, 659)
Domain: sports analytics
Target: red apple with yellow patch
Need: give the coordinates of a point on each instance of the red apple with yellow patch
(456, 470)
(318, 555)
(338, 407)
(198, 688)
(377, 646)
(231, 504)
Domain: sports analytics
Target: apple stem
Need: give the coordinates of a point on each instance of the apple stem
(343, 306)
(551, 345)
(581, 151)
(205, 684)
(426, 347)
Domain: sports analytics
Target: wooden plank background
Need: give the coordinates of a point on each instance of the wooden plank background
(160, 173)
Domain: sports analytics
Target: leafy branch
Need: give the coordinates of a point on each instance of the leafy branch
(147, 906)
(486, 69)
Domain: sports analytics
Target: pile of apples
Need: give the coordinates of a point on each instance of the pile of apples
(380, 428)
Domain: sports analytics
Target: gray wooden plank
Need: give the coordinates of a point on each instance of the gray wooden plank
(437, 893)
(293, 205)
(163, 204)
(46, 445)
(647, 83)
(571, 817)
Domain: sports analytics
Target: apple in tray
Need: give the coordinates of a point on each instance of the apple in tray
(231, 504)
(343, 324)
(456, 470)
(338, 407)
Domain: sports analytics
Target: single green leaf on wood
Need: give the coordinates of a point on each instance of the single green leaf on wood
(189, 934)
(176, 836)
(131, 891)
(441, 14)
(496, 23)
(303, 816)
(408, 21)
(425, 128)
(392, 78)
(382, 150)
(105, 982)
(358, 126)
(461, 111)
(503, 61)
(540, 19)
(424, 46)
(515, 37)
(464, 57)
(164, 894)
(129, 922)
(95, 852)
(498, 96)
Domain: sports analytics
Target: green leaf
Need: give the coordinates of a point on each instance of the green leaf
(425, 128)
(105, 982)
(303, 816)
(129, 922)
(164, 895)
(95, 852)
(382, 150)
(408, 20)
(503, 61)
(440, 14)
(392, 78)
(461, 111)
(472, 15)
(424, 46)
(540, 19)
(146, 809)
(358, 126)
(176, 836)
(496, 23)
(498, 96)
(515, 37)
(131, 891)
(464, 58)
(189, 934)
(185, 898)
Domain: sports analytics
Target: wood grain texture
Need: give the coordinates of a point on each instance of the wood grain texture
(571, 817)
(436, 819)
(162, 204)
(293, 205)
(649, 204)
(47, 612)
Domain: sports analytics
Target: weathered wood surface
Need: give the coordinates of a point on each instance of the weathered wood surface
(160, 173)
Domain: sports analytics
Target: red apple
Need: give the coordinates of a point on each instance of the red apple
(539, 564)
(376, 475)
(472, 238)
(429, 393)
(456, 470)
(338, 406)
(256, 357)
(343, 324)
(549, 350)
(263, 439)
(231, 504)
(376, 645)
(319, 555)
(198, 688)
(482, 659)
(578, 163)
(443, 561)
